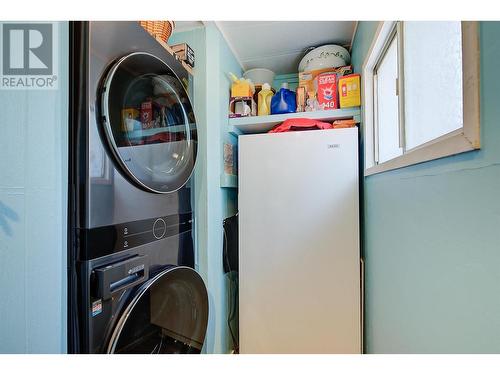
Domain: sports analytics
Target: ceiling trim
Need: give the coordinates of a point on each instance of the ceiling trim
(231, 47)
(291, 52)
(353, 35)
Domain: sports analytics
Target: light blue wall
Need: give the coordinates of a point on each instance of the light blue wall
(432, 238)
(212, 203)
(196, 40)
(33, 214)
(292, 80)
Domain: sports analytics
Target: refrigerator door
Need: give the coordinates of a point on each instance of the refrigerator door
(299, 262)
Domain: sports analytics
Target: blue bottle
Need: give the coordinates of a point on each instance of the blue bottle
(283, 101)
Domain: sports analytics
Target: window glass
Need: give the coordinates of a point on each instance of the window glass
(387, 105)
(432, 80)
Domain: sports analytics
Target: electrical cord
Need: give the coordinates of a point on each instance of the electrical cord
(230, 315)
(232, 310)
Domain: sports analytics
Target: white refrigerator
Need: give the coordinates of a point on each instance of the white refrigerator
(299, 259)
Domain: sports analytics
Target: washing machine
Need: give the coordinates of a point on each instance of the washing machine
(132, 287)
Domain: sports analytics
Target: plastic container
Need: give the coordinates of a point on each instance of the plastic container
(264, 100)
(284, 101)
(260, 75)
(241, 87)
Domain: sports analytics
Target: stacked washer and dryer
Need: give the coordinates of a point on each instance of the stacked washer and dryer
(132, 283)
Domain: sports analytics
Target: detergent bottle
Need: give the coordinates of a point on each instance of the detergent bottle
(284, 101)
(264, 100)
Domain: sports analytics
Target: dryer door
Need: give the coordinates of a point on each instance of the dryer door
(168, 314)
(149, 123)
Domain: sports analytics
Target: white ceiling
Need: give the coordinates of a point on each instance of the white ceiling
(280, 45)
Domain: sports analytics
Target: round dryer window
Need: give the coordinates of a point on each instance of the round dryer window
(168, 314)
(149, 122)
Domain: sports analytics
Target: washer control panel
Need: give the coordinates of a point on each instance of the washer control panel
(106, 240)
(159, 228)
(141, 232)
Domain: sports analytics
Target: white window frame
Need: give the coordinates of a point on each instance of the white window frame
(466, 138)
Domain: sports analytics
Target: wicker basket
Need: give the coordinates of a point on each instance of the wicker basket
(161, 29)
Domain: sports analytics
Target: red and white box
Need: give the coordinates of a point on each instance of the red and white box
(327, 91)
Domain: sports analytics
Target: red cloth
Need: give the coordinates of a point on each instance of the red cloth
(294, 124)
(164, 137)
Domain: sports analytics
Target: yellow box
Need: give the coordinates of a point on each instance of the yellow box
(241, 88)
(349, 91)
(129, 118)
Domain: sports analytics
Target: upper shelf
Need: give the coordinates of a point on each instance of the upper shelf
(262, 124)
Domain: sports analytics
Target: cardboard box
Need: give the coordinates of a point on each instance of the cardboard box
(230, 159)
(301, 99)
(150, 115)
(350, 91)
(241, 88)
(131, 119)
(327, 90)
(308, 80)
(242, 106)
(185, 53)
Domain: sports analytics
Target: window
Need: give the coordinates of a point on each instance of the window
(385, 93)
(421, 93)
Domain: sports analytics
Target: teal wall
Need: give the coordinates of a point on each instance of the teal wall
(432, 238)
(292, 80)
(214, 60)
(33, 214)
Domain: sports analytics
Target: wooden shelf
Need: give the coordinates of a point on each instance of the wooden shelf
(228, 181)
(262, 124)
(169, 50)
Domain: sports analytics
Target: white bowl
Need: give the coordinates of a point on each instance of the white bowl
(327, 56)
(260, 76)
